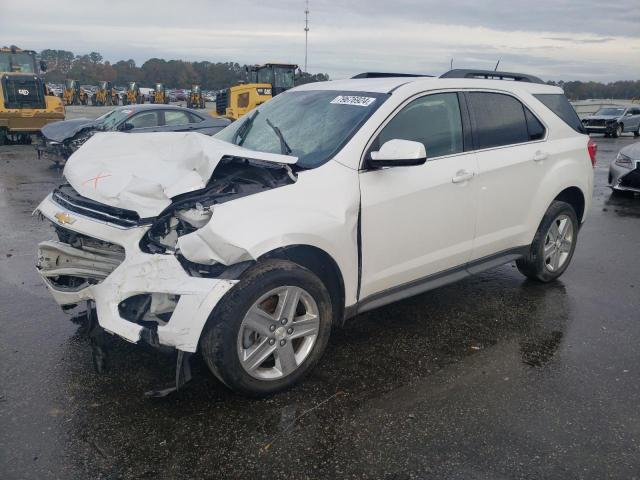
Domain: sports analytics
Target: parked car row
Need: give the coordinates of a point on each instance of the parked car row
(175, 94)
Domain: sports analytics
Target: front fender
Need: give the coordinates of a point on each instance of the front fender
(319, 210)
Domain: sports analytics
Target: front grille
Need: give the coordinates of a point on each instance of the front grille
(77, 261)
(595, 123)
(631, 179)
(67, 197)
(23, 91)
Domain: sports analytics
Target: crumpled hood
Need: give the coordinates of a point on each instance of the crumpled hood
(143, 172)
(61, 131)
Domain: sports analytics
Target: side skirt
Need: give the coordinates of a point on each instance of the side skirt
(434, 281)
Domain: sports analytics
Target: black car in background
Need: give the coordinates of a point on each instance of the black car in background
(61, 139)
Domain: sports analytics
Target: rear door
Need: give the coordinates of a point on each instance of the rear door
(177, 121)
(417, 221)
(512, 159)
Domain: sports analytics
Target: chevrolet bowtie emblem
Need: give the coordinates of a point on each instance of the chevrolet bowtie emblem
(64, 218)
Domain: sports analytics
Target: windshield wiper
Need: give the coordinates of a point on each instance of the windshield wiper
(284, 147)
(244, 129)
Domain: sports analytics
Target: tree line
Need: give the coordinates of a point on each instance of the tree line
(91, 68)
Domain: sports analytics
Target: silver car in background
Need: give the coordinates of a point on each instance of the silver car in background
(624, 171)
(614, 120)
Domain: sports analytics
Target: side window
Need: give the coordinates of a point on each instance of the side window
(193, 118)
(534, 127)
(174, 118)
(498, 119)
(144, 120)
(433, 120)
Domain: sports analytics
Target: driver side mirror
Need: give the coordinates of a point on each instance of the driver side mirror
(126, 126)
(629, 114)
(399, 153)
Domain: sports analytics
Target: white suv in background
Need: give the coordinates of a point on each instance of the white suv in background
(329, 200)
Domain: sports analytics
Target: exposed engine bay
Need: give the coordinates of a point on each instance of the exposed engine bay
(233, 178)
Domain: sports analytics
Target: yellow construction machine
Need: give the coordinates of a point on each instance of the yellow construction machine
(105, 95)
(73, 94)
(26, 105)
(195, 98)
(265, 81)
(160, 94)
(132, 95)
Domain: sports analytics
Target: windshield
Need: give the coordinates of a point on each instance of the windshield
(284, 77)
(110, 120)
(614, 111)
(265, 75)
(17, 62)
(313, 125)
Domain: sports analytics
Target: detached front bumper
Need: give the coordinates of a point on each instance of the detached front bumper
(624, 179)
(109, 268)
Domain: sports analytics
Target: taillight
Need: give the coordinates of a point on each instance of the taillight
(592, 147)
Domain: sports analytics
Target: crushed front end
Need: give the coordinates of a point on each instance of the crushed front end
(96, 255)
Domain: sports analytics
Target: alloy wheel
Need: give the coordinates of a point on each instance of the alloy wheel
(558, 243)
(278, 333)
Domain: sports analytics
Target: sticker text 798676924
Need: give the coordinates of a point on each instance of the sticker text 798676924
(353, 100)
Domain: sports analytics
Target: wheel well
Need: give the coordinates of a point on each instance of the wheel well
(320, 263)
(574, 197)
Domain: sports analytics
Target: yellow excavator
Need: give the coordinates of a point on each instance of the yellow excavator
(73, 94)
(105, 95)
(132, 95)
(265, 81)
(160, 94)
(195, 98)
(26, 105)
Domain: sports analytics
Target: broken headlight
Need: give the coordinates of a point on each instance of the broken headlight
(163, 235)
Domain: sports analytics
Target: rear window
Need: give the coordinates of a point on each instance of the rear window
(558, 104)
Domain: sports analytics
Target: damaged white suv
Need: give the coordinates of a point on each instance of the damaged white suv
(329, 200)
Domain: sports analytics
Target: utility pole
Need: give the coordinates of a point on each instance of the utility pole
(306, 34)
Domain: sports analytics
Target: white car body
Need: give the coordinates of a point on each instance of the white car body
(392, 232)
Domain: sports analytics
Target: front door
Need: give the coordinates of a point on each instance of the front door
(419, 220)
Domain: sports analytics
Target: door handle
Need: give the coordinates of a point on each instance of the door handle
(540, 155)
(462, 176)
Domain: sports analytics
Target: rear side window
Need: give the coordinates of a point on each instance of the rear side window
(499, 119)
(558, 104)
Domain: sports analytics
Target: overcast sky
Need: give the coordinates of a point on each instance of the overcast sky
(561, 39)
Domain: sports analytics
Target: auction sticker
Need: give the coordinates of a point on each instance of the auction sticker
(353, 100)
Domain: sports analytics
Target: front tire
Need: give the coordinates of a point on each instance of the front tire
(553, 244)
(270, 330)
(618, 131)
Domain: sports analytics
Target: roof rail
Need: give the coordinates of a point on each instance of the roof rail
(387, 75)
(490, 75)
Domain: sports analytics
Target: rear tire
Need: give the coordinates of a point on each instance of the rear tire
(636, 134)
(270, 330)
(553, 244)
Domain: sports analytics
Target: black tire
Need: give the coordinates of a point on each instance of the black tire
(3, 136)
(636, 134)
(219, 341)
(618, 131)
(534, 265)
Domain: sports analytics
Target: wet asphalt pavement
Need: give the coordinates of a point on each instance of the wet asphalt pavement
(494, 377)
